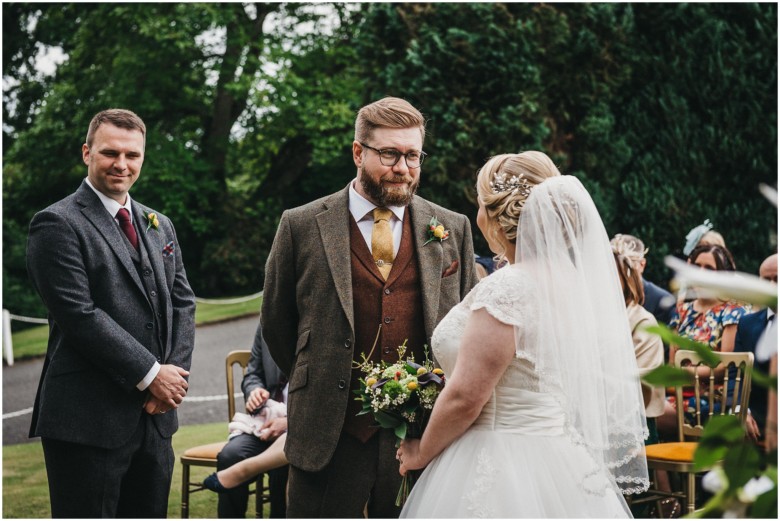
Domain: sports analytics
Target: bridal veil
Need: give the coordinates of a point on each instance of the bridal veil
(583, 347)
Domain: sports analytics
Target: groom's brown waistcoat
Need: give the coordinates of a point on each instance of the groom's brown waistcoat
(395, 303)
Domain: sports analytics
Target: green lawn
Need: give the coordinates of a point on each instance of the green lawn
(26, 493)
(32, 342)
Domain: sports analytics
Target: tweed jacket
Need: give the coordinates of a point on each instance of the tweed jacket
(103, 332)
(308, 315)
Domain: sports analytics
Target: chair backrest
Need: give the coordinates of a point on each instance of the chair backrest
(240, 357)
(712, 393)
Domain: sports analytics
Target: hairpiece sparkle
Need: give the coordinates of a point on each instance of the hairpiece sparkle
(515, 184)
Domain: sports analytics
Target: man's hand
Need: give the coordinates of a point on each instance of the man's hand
(274, 428)
(169, 386)
(752, 428)
(155, 406)
(257, 397)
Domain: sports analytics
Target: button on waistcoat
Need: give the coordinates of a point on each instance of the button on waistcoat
(396, 304)
(154, 337)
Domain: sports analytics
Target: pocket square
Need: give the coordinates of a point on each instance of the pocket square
(168, 250)
(452, 269)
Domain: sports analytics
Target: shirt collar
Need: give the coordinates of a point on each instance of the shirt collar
(112, 207)
(360, 207)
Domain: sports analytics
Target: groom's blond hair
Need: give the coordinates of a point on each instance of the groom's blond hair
(390, 113)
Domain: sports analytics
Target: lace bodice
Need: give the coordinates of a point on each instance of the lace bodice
(507, 295)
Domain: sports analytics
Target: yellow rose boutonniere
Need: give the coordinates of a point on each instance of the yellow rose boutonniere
(151, 221)
(436, 231)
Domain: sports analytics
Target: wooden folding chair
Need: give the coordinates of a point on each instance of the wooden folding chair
(206, 455)
(691, 417)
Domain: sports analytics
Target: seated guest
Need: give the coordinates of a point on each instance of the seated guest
(263, 380)
(648, 347)
(705, 319)
(245, 471)
(749, 330)
(484, 265)
(702, 235)
(658, 301)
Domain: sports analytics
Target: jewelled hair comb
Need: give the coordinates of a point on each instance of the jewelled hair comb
(515, 184)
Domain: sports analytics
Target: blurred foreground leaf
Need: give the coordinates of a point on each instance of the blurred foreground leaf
(667, 375)
(670, 337)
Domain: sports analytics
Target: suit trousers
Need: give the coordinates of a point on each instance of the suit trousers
(132, 481)
(233, 504)
(358, 476)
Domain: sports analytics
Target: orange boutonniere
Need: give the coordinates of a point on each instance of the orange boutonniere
(436, 231)
(151, 221)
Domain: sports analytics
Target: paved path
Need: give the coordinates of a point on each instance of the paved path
(207, 380)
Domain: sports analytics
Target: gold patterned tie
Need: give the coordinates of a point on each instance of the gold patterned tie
(382, 241)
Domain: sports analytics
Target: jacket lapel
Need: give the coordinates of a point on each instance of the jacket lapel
(333, 223)
(104, 223)
(429, 259)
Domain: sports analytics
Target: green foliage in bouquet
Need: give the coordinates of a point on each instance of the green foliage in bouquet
(400, 396)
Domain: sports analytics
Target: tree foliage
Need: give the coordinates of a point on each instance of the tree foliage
(667, 112)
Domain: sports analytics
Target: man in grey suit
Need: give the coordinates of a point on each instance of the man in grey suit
(348, 272)
(121, 333)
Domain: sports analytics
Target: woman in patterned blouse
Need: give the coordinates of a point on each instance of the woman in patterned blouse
(708, 319)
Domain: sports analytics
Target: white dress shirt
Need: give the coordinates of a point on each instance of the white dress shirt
(361, 210)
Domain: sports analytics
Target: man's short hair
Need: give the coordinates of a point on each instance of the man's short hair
(390, 113)
(121, 118)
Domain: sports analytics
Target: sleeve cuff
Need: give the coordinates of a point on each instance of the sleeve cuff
(151, 375)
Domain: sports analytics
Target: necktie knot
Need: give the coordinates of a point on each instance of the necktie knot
(382, 214)
(123, 215)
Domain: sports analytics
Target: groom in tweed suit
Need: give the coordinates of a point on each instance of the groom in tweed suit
(326, 294)
(121, 333)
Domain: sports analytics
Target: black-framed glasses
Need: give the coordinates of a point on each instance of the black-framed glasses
(391, 156)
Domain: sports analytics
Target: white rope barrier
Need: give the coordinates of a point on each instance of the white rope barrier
(188, 399)
(8, 316)
(30, 320)
(237, 300)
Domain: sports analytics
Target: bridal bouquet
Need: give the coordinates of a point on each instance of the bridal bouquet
(400, 396)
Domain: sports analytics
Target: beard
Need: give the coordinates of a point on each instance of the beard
(382, 196)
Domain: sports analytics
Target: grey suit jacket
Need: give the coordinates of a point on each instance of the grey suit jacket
(308, 314)
(101, 322)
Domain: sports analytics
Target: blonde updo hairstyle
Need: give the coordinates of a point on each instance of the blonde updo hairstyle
(503, 208)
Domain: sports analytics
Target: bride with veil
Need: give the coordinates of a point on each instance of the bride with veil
(542, 415)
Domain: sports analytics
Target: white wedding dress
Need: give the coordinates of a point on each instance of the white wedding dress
(516, 460)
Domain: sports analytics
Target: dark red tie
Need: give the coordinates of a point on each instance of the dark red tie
(123, 216)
